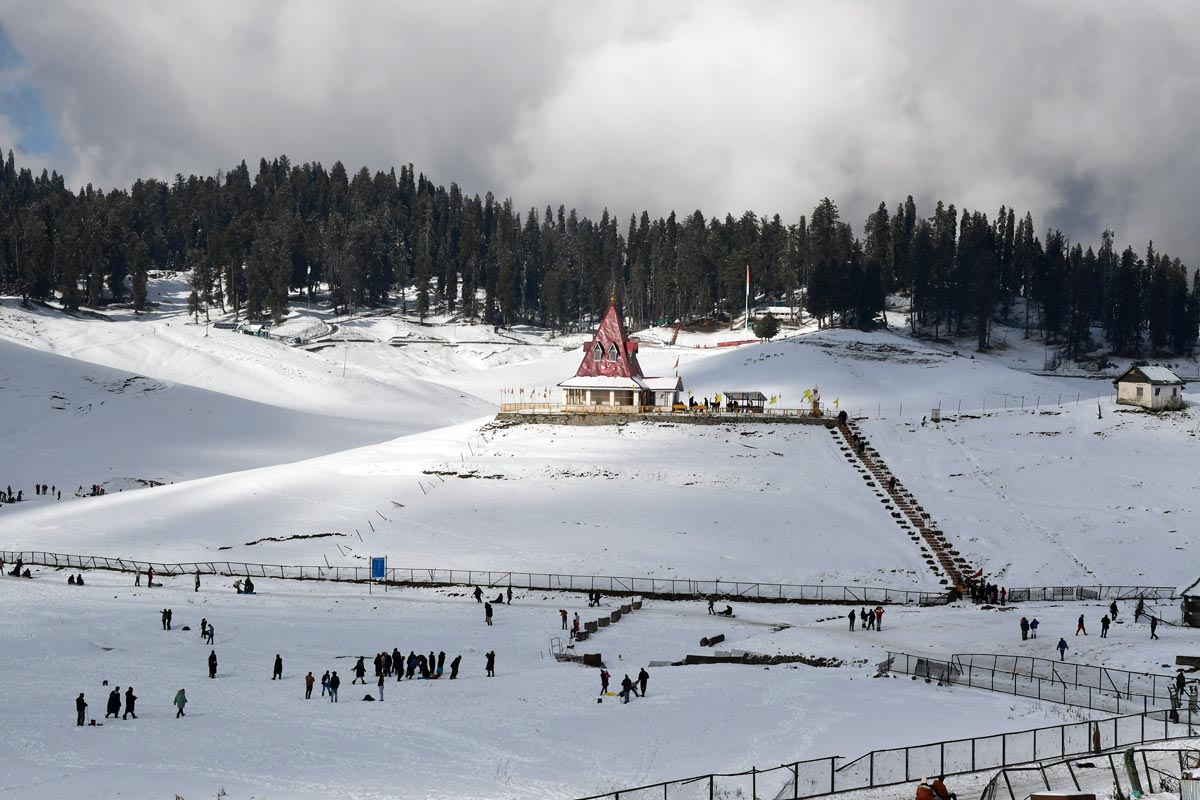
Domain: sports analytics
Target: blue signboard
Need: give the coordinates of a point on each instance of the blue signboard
(378, 568)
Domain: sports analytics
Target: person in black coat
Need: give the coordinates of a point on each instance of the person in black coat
(454, 667)
(397, 663)
(643, 677)
(334, 683)
(441, 661)
(487, 613)
(80, 709)
(478, 595)
(277, 673)
(491, 663)
(114, 704)
(360, 672)
(626, 688)
(130, 700)
(412, 664)
(212, 664)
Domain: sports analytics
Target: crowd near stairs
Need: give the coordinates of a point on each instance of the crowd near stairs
(942, 558)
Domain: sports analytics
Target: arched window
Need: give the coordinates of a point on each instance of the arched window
(597, 352)
(612, 352)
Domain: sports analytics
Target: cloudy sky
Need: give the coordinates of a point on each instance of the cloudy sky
(1086, 113)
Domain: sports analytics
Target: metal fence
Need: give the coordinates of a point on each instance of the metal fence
(1098, 592)
(825, 776)
(1157, 770)
(648, 587)
(757, 591)
(1123, 683)
(1080, 685)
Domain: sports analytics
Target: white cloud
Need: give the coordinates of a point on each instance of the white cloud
(1084, 113)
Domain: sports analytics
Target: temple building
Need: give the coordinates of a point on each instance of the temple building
(610, 379)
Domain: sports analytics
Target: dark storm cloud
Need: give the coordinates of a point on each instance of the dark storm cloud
(1085, 113)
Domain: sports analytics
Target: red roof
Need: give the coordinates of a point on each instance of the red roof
(617, 355)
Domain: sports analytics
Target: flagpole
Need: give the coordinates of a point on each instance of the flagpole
(747, 297)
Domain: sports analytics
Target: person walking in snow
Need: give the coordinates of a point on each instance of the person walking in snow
(179, 702)
(604, 677)
(208, 635)
(1137, 612)
(212, 664)
(491, 663)
(1061, 647)
(309, 680)
(478, 595)
(851, 616)
(130, 700)
(1104, 623)
(334, 683)
(203, 627)
(164, 619)
(711, 610)
(197, 582)
(487, 613)
(643, 678)
(360, 672)
(277, 672)
(454, 667)
(510, 594)
(1080, 627)
(1153, 627)
(114, 704)
(80, 710)
(626, 688)
(1024, 629)
(1033, 626)
(1112, 609)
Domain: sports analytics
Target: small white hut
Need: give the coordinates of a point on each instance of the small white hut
(1154, 388)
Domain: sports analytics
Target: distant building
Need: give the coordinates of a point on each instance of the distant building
(1153, 388)
(610, 378)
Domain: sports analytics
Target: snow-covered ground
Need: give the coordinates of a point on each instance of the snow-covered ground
(535, 730)
(380, 427)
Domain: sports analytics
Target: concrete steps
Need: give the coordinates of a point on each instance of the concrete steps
(942, 558)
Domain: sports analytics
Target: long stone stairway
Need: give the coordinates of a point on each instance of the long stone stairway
(942, 558)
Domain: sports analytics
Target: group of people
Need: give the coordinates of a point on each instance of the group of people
(75, 580)
(19, 569)
(7, 495)
(241, 586)
(936, 790)
(43, 490)
(868, 619)
(478, 593)
(113, 708)
(983, 592)
(96, 491)
(727, 611)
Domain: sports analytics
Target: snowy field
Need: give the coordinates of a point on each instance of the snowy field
(379, 429)
(535, 730)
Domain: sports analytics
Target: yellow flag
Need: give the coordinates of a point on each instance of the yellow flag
(835, 402)
(718, 397)
(772, 399)
(808, 394)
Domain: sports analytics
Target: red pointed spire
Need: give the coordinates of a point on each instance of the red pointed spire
(616, 356)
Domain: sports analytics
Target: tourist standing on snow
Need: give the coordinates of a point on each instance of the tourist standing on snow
(334, 683)
(379, 685)
(491, 663)
(360, 672)
(851, 615)
(1061, 647)
(80, 709)
(309, 680)
(1024, 629)
(1104, 623)
(626, 687)
(114, 703)
(643, 678)
(1112, 609)
(1153, 627)
(1033, 626)
(487, 613)
(130, 700)
(212, 664)
(562, 612)
(325, 683)
(180, 702)
(478, 595)
(277, 672)
(208, 635)
(878, 618)
(604, 676)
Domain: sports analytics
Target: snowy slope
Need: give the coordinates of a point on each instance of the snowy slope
(533, 731)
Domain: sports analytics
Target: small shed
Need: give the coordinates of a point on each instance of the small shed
(1190, 606)
(753, 402)
(1153, 388)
